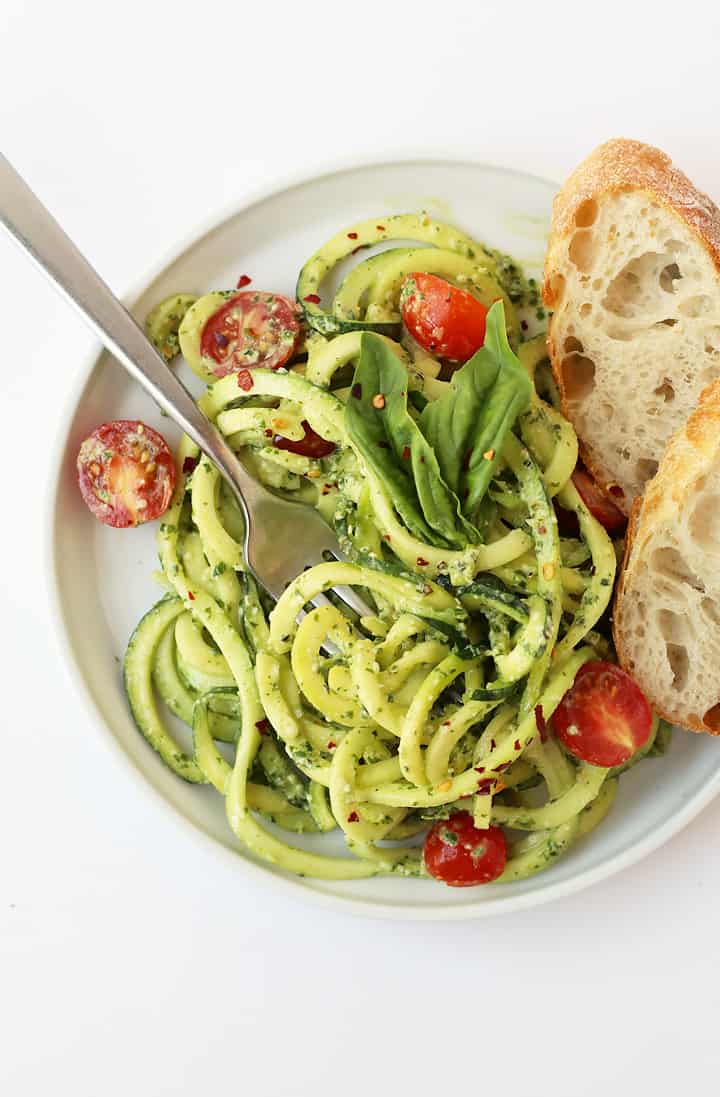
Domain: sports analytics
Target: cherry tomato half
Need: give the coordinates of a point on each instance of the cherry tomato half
(460, 854)
(601, 508)
(604, 717)
(443, 319)
(251, 329)
(312, 445)
(126, 473)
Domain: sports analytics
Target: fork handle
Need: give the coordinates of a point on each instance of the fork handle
(37, 232)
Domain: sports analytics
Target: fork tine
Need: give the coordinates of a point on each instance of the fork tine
(347, 594)
(354, 601)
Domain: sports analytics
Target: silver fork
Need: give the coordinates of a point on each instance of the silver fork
(282, 539)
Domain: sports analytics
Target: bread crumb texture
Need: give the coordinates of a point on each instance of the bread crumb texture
(667, 607)
(632, 276)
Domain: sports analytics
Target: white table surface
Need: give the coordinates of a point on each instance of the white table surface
(124, 967)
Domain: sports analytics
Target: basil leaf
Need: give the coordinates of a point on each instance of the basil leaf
(475, 416)
(395, 449)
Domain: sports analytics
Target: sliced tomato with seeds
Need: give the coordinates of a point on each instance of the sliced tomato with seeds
(601, 508)
(311, 445)
(251, 329)
(604, 717)
(126, 473)
(443, 319)
(461, 855)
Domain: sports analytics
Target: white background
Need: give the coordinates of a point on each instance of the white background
(124, 967)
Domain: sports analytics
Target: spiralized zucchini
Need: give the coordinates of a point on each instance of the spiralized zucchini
(313, 721)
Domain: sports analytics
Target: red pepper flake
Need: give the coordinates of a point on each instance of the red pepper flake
(426, 588)
(312, 299)
(517, 745)
(422, 562)
(189, 464)
(380, 228)
(191, 596)
(542, 530)
(524, 325)
(492, 744)
(479, 769)
(243, 280)
(353, 817)
(331, 744)
(244, 380)
(406, 453)
(387, 537)
(356, 391)
(352, 236)
(485, 786)
(378, 401)
(501, 768)
(541, 724)
(263, 726)
(446, 723)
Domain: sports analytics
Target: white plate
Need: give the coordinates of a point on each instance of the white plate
(103, 576)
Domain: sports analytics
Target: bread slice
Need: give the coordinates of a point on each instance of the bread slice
(667, 604)
(633, 276)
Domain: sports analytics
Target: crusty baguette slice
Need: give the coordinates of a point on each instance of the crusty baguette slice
(633, 276)
(667, 604)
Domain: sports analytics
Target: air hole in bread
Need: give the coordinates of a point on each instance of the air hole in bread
(582, 250)
(586, 213)
(669, 275)
(642, 285)
(704, 524)
(669, 323)
(672, 564)
(578, 375)
(711, 719)
(711, 610)
(646, 468)
(607, 411)
(597, 284)
(622, 335)
(675, 247)
(585, 309)
(672, 626)
(677, 657)
(712, 340)
(555, 289)
(696, 306)
(665, 390)
(572, 344)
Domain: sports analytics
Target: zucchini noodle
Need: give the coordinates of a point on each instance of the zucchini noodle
(307, 720)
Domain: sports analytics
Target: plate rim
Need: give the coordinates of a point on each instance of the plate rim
(269, 876)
